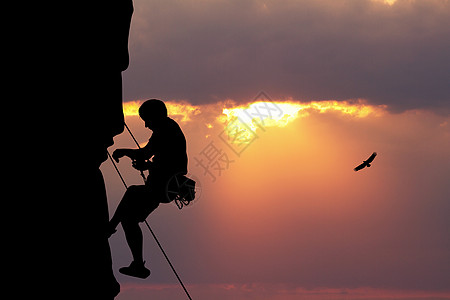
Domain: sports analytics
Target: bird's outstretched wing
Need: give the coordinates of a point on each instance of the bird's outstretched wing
(361, 166)
(371, 158)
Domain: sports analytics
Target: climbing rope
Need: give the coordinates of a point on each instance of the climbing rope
(146, 223)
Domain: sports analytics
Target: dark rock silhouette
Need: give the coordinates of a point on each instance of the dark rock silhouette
(72, 106)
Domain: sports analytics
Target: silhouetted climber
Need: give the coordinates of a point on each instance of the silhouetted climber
(167, 151)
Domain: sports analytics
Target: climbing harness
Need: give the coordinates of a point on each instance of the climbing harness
(182, 198)
(181, 190)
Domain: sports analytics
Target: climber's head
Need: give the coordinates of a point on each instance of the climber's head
(152, 112)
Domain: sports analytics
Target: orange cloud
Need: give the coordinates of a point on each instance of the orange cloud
(263, 114)
(246, 119)
(387, 2)
(182, 111)
(268, 113)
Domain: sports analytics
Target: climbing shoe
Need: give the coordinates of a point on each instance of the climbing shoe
(136, 269)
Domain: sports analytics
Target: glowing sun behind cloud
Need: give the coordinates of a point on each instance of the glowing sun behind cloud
(259, 115)
(388, 2)
(264, 114)
(242, 122)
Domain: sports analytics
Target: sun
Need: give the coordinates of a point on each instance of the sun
(242, 122)
(387, 2)
(249, 118)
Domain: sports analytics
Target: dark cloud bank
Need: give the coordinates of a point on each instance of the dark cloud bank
(308, 50)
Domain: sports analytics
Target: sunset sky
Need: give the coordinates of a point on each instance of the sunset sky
(290, 96)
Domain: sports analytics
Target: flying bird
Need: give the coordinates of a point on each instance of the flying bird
(366, 163)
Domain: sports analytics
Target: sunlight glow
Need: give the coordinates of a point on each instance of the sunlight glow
(245, 120)
(242, 121)
(388, 2)
(181, 111)
(131, 108)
